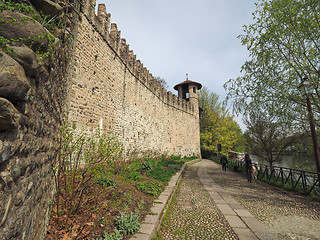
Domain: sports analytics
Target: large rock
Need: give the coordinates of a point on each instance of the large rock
(14, 84)
(48, 7)
(16, 25)
(9, 115)
(26, 58)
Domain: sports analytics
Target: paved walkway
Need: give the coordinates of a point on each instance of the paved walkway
(213, 204)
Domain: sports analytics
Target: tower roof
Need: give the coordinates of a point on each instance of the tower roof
(187, 82)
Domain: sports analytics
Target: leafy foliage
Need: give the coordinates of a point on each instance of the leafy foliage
(19, 6)
(284, 49)
(173, 157)
(152, 188)
(81, 156)
(190, 158)
(160, 173)
(266, 138)
(116, 235)
(105, 181)
(127, 224)
(216, 125)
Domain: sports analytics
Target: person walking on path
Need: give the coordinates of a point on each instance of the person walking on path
(224, 162)
(248, 163)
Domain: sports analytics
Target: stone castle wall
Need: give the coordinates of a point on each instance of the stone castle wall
(96, 80)
(110, 86)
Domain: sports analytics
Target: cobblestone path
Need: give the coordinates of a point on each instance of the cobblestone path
(287, 214)
(193, 214)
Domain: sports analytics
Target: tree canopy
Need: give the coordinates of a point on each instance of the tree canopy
(216, 125)
(267, 138)
(284, 46)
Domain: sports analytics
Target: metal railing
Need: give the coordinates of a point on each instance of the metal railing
(305, 182)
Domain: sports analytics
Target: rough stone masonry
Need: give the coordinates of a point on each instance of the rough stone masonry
(95, 80)
(110, 86)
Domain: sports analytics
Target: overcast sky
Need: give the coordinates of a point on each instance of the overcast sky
(175, 37)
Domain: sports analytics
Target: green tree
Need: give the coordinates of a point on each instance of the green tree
(283, 42)
(216, 125)
(266, 138)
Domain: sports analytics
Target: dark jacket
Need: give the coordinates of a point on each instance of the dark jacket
(224, 159)
(248, 163)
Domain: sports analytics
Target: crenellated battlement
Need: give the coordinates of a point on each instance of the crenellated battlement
(111, 86)
(111, 34)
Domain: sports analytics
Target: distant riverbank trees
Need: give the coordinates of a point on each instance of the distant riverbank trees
(284, 49)
(217, 126)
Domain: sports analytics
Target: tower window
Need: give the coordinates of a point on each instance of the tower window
(194, 90)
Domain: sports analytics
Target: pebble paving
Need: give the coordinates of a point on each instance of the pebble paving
(287, 214)
(193, 214)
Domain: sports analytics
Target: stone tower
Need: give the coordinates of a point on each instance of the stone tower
(189, 90)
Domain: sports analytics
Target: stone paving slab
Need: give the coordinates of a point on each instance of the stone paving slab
(147, 229)
(243, 213)
(140, 236)
(244, 234)
(235, 221)
(226, 209)
(241, 221)
(244, 224)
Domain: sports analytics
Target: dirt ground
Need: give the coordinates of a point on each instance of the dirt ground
(97, 215)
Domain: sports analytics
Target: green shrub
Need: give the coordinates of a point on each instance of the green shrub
(151, 188)
(146, 166)
(173, 157)
(81, 156)
(116, 235)
(134, 176)
(105, 181)
(127, 224)
(160, 173)
(193, 157)
(174, 167)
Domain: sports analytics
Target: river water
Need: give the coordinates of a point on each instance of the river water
(296, 162)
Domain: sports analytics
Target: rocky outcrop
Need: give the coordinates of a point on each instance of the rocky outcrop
(16, 25)
(32, 103)
(14, 84)
(26, 58)
(9, 115)
(48, 7)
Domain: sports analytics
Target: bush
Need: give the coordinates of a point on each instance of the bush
(174, 167)
(127, 224)
(145, 166)
(116, 235)
(160, 173)
(151, 188)
(134, 176)
(81, 156)
(190, 158)
(150, 163)
(130, 170)
(173, 157)
(105, 181)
